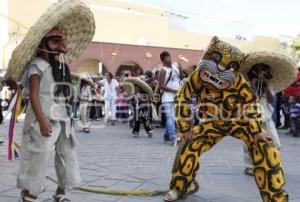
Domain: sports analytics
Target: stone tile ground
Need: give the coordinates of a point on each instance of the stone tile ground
(111, 158)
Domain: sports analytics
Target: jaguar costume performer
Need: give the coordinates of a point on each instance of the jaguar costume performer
(227, 107)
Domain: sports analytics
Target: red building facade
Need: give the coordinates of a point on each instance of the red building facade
(113, 56)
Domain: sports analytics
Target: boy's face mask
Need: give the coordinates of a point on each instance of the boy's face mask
(219, 64)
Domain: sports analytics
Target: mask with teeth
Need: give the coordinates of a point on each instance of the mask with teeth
(219, 64)
(210, 74)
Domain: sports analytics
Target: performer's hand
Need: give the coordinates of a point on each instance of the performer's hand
(262, 137)
(188, 136)
(45, 128)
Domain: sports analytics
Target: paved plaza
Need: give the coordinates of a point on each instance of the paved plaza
(111, 158)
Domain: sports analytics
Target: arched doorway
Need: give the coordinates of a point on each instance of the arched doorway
(131, 67)
(92, 66)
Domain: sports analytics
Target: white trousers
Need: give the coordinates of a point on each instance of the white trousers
(271, 129)
(110, 106)
(85, 110)
(35, 154)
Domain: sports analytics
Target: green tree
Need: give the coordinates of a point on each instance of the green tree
(294, 47)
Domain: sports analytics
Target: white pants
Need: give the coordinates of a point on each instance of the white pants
(85, 110)
(110, 106)
(271, 129)
(35, 154)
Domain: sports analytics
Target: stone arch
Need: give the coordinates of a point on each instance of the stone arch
(133, 67)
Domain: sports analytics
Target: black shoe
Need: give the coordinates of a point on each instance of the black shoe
(1, 142)
(166, 138)
(135, 134)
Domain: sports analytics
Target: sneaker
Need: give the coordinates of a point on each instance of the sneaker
(172, 142)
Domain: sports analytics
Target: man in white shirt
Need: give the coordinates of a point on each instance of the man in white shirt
(169, 79)
(110, 86)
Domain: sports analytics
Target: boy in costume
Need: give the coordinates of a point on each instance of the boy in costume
(60, 34)
(227, 107)
(267, 73)
(141, 104)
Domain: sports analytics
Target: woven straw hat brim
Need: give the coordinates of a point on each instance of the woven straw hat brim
(73, 17)
(129, 88)
(283, 68)
(82, 77)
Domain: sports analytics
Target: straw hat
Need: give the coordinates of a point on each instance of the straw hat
(128, 85)
(73, 17)
(84, 77)
(283, 68)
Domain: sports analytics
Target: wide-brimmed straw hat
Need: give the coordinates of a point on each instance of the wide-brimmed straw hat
(84, 77)
(73, 17)
(283, 68)
(128, 85)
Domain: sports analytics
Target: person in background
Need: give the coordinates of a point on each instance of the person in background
(157, 101)
(93, 113)
(149, 79)
(85, 105)
(294, 113)
(110, 86)
(141, 103)
(75, 102)
(1, 112)
(152, 83)
(277, 109)
(259, 76)
(285, 110)
(169, 79)
(99, 102)
(292, 90)
(122, 107)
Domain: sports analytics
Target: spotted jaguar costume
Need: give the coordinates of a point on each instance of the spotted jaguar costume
(230, 111)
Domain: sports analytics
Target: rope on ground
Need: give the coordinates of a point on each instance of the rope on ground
(140, 192)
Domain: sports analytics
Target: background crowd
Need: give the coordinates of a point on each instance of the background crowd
(105, 99)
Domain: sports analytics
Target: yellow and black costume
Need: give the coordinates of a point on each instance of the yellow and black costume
(230, 111)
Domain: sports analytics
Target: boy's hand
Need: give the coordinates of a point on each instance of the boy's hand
(45, 127)
(262, 137)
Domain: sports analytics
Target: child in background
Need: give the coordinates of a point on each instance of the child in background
(122, 107)
(142, 109)
(294, 113)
